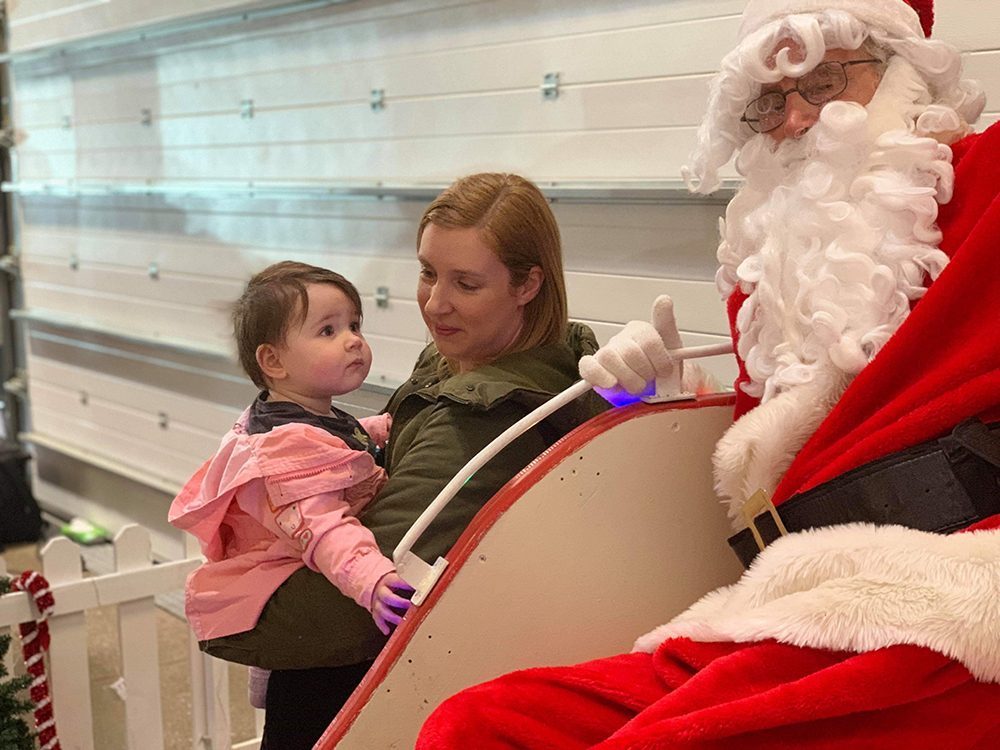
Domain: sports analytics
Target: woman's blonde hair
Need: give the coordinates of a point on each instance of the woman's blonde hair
(515, 221)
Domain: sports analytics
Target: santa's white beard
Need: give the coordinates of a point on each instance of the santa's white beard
(833, 238)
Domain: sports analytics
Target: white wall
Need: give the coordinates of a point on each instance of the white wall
(36, 24)
(461, 81)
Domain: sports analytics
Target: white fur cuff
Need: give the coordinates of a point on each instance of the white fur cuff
(860, 587)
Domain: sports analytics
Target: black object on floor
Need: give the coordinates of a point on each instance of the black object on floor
(20, 518)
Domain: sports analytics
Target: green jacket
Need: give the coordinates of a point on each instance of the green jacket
(439, 424)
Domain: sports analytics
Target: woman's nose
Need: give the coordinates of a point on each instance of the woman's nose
(800, 115)
(437, 300)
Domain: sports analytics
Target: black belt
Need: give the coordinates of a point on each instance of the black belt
(940, 486)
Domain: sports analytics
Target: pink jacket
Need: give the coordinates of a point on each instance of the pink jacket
(267, 504)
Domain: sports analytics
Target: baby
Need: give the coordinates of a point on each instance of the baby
(289, 478)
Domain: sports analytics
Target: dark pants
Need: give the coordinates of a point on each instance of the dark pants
(301, 703)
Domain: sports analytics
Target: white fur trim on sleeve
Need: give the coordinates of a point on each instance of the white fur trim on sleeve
(860, 587)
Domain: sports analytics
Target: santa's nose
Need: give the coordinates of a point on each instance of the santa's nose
(800, 115)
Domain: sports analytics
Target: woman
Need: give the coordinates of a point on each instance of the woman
(492, 294)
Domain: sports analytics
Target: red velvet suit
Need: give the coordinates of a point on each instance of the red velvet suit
(942, 366)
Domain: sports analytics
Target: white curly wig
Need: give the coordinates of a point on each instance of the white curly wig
(754, 63)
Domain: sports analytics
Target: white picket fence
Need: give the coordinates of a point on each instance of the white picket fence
(131, 587)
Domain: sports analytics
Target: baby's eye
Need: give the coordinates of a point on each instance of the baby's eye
(356, 326)
(326, 331)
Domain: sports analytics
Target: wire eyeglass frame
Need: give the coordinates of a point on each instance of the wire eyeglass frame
(752, 115)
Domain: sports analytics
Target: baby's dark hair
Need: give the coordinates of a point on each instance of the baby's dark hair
(274, 300)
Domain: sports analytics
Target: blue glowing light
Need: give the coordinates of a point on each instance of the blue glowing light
(621, 397)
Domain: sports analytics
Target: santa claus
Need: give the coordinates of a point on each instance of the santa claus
(858, 264)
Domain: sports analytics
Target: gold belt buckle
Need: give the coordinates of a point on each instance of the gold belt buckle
(756, 504)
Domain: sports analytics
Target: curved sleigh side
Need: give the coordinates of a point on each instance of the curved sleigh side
(609, 533)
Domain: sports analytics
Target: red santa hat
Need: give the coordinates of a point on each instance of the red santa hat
(900, 18)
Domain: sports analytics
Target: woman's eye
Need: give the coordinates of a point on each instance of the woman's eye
(467, 287)
(426, 274)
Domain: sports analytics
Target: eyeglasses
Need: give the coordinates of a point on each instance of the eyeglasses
(823, 83)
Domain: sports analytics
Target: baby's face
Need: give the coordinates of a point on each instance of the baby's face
(325, 355)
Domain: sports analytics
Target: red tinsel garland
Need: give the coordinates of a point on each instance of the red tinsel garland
(34, 643)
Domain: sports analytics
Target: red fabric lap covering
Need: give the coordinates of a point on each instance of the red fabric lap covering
(727, 697)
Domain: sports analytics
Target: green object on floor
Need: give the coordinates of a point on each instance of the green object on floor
(82, 531)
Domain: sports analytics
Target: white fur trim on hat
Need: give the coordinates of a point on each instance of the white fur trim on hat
(893, 16)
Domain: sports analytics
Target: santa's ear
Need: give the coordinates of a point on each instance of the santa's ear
(532, 285)
(269, 361)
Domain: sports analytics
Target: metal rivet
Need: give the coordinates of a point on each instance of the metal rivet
(550, 86)
(413, 381)
(382, 296)
(470, 387)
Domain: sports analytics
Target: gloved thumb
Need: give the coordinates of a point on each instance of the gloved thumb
(665, 323)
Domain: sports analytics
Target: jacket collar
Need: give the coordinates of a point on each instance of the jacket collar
(542, 372)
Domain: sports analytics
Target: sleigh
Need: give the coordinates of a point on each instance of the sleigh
(609, 533)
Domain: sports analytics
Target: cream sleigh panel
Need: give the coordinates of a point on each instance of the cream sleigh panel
(611, 532)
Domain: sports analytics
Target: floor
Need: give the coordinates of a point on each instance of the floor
(175, 687)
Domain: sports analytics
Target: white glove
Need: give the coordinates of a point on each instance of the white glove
(638, 354)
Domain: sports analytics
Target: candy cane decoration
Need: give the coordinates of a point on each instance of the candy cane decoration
(34, 642)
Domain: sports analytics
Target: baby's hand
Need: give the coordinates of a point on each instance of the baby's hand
(388, 607)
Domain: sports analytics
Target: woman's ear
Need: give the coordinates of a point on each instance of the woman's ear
(532, 285)
(269, 360)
